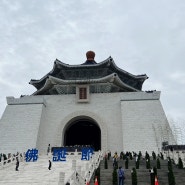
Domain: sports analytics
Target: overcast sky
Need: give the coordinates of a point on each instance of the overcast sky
(142, 36)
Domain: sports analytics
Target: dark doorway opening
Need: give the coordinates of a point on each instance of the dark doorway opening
(83, 132)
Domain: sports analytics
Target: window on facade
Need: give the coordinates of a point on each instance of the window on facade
(82, 93)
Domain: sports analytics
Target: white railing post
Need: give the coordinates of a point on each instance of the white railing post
(61, 178)
(79, 176)
(74, 165)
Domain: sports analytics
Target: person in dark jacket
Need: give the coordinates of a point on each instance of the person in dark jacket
(17, 165)
(49, 165)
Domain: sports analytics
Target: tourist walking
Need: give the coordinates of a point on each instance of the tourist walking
(49, 149)
(121, 176)
(17, 165)
(49, 167)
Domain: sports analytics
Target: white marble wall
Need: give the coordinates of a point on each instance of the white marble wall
(128, 121)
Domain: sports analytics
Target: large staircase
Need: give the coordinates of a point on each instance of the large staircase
(143, 174)
(37, 173)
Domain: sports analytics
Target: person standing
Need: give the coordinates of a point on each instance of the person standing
(17, 164)
(49, 167)
(121, 176)
(115, 160)
(49, 149)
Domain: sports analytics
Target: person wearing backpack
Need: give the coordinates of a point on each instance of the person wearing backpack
(121, 176)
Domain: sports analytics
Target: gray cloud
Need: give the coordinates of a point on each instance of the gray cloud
(141, 36)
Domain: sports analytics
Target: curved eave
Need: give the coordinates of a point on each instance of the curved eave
(144, 76)
(112, 78)
(58, 65)
(35, 83)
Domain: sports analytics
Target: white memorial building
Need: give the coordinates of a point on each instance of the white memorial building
(93, 103)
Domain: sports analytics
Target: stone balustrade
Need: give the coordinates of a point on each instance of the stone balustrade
(11, 159)
(79, 177)
(175, 155)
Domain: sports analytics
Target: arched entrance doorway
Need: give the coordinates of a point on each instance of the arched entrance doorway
(83, 131)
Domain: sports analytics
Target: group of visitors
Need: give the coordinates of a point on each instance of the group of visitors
(9, 158)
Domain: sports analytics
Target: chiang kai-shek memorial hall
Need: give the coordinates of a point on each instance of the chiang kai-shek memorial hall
(92, 103)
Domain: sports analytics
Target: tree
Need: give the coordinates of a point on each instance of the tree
(158, 164)
(114, 177)
(137, 164)
(97, 174)
(140, 155)
(109, 155)
(155, 171)
(105, 163)
(162, 157)
(171, 177)
(134, 176)
(130, 155)
(180, 163)
(148, 163)
(147, 155)
(126, 163)
(121, 155)
(154, 155)
(169, 164)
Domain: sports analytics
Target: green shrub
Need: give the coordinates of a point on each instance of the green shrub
(105, 163)
(130, 155)
(158, 164)
(126, 163)
(147, 156)
(148, 163)
(155, 171)
(180, 163)
(109, 155)
(169, 164)
(97, 174)
(121, 155)
(137, 164)
(114, 177)
(140, 155)
(171, 177)
(154, 155)
(162, 157)
(134, 176)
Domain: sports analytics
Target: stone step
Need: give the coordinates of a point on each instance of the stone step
(143, 174)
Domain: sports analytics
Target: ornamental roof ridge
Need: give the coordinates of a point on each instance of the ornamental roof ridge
(109, 63)
(108, 60)
(45, 76)
(58, 63)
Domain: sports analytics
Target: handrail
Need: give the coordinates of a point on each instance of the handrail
(78, 178)
(11, 160)
(175, 155)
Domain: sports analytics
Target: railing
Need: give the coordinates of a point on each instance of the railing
(79, 177)
(11, 160)
(175, 155)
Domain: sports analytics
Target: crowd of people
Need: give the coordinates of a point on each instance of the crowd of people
(11, 157)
